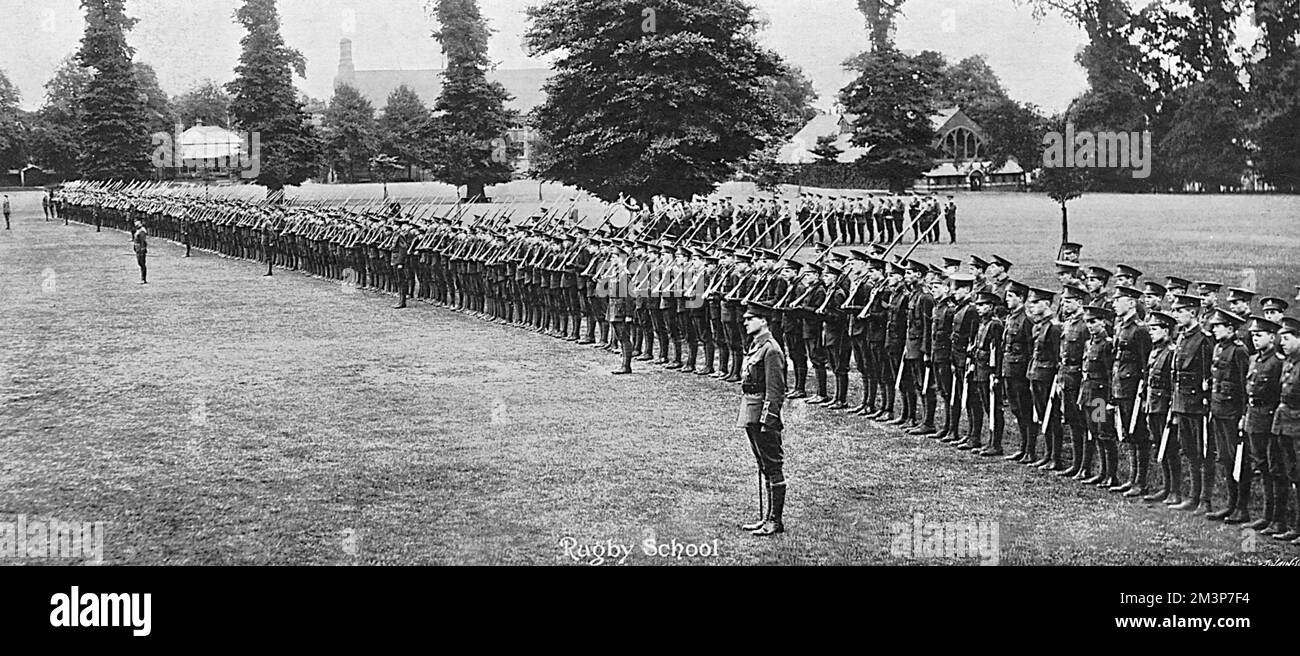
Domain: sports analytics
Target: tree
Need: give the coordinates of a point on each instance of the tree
(660, 98)
(206, 103)
(794, 95)
(1274, 98)
(826, 151)
(881, 20)
(1062, 184)
(404, 129)
(115, 141)
(158, 107)
(54, 131)
(1013, 129)
(350, 132)
(892, 101)
(264, 101)
(471, 119)
(11, 125)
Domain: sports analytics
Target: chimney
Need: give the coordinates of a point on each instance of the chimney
(347, 72)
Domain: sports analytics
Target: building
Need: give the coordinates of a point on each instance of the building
(525, 85)
(959, 140)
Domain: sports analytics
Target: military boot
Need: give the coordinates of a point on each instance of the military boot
(821, 387)
(1282, 515)
(800, 382)
(764, 492)
(774, 525)
(1270, 502)
(1241, 513)
(841, 392)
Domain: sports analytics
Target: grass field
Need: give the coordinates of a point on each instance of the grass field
(218, 417)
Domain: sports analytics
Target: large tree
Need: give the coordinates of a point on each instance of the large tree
(11, 125)
(1274, 98)
(265, 102)
(350, 132)
(660, 97)
(157, 106)
(472, 122)
(206, 103)
(115, 141)
(882, 17)
(892, 100)
(404, 128)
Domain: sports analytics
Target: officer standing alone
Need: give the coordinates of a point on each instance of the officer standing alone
(762, 395)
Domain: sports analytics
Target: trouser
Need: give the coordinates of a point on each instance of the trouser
(797, 350)
(1226, 440)
(623, 330)
(952, 231)
(888, 375)
(1200, 453)
(862, 362)
(766, 444)
(1021, 401)
(979, 404)
(1165, 433)
(144, 269)
(1048, 423)
(957, 403)
(718, 329)
(813, 344)
(1072, 416)
(913, 379)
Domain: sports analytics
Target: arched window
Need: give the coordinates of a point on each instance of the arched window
(961, 143)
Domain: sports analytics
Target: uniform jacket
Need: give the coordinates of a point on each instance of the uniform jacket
(857, 301)
(762, 383)
(965, 321)
(1098, 360)
(1286, 421)
(1263, 390)
(1017, 344)
(1046, 355)
(1132, 349)
(986, 350)
(941, 331)
(1191, 371)
(1159, 379)
(1228, 371)
(1074, 339)
(920, 314)
(896, 324)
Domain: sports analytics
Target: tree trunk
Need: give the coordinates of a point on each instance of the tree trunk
(475, 192)
(1065, 225)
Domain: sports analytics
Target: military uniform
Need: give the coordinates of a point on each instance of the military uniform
(1132, 351)
(762, 396)
(1189, 405)
(1286, 431)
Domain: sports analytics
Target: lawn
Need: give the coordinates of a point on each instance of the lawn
(215, 416)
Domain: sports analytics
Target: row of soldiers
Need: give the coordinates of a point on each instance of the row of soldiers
(940, 351)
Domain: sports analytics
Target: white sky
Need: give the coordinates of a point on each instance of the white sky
(187, 41)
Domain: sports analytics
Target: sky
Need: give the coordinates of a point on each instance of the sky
(187, 41)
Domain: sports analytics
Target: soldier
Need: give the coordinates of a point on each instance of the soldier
(4, 206)
(1191, 376)
(965, 322)
(1070, 252)
(985, 362)
(1069, 376)
(807, 304)
(941, 357)
(863, 280)
(1228, 371)
(1044, 358)
(140, 244)
(1095, 282)
(1095, 393)
(792, 324)
(1286, 430)
(950, 218)
(1209, 293)
(1263, 389)
(835, 334)
(762, 395)
(896, 379)
(270, 235)
(1239, 301)
(1017, 353)
(1272, 307)
(1153, 294)
(917, 350)
(1156, 403)
(1132, 351)
(621, 307)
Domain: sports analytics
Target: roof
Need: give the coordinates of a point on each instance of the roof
(799, 149)
(941, 118)
(209, 142)
(949, 169)
(524, 84)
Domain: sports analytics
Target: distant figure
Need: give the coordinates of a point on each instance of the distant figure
(140, 242)
(950, 217)
(45, 206)
(6, 211)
